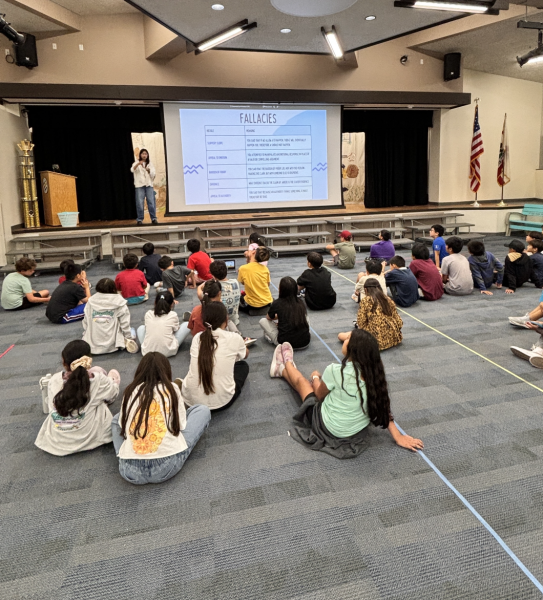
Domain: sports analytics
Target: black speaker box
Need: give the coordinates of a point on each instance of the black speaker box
(26, 54)
(451, 66)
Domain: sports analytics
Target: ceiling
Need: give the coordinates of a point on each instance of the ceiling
(494, 48)
(196, 20)
(96, 7)
(24, 20)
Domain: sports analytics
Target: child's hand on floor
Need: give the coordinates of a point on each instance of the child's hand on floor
(486, 293)
(411, 443)
(509, 291)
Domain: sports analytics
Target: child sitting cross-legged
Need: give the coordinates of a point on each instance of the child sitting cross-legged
(343, 253)
(17, 292)
(131, 282)
(217, 369)
(428, 277)
(384, 249)
(338, 406)
(68, 300)
(316, 284)
(403, 285)
(198, 262)
(291, 315)
(77, 400)
(256, 279)
(455, 269)
(378, 315)
(255, 242)
(486, 269)
(148, 264)
(162, 332)
(517, 267)
(153, 434)
(374, 270)
(106, 321)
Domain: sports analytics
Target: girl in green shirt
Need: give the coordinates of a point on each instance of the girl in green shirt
(338, 405)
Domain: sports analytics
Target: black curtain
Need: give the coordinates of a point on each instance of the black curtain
(396, 154)
(94, 144)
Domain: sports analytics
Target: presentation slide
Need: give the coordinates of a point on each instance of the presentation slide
(252, 157)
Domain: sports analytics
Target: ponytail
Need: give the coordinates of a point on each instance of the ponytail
(75, 393)
(163, 303)
(214, 314)
(212, 288)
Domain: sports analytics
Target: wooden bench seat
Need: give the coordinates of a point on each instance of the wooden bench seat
(47, 265)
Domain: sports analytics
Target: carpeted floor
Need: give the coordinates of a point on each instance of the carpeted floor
(255, 516)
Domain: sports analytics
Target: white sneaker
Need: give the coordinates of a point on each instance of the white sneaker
(519, 321)
(536, 351)
(537, 361)
(131, 346)
(277, 364)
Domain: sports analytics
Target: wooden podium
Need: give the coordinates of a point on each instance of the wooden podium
(59, 195)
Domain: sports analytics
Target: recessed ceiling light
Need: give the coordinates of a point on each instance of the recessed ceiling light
(217, 7)
(370, 18)
(286, 30)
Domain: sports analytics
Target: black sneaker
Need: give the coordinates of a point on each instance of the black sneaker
(155, 222)
(139, 223)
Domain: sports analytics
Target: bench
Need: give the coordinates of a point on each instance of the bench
(530, 219)
(453, 227)
(465, 237)
(47, 266)
(297, 249)
(302, 235)
(366, 244)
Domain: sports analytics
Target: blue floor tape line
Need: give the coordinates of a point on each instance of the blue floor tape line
(464, 501)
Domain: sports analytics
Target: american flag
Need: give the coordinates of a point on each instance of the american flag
(477, 149)
(503, 161)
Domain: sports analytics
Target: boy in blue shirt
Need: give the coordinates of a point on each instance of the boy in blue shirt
(438, 247)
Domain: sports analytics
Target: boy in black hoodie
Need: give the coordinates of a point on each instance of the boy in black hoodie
(518, 267)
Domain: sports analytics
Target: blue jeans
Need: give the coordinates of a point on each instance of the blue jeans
(179, 335)
(148, 192)
(157, 470)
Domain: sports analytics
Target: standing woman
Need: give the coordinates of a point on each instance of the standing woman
(144, 175)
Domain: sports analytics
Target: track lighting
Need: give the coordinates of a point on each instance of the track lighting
(225, 36)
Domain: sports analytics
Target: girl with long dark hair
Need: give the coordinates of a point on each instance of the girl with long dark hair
(377, 314)
(153, 435)
(217, 370)
(286, 320)
(77, 400)
(162, 331)
(338, 405)
(144, 174)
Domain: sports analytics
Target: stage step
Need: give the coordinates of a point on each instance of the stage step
(67, 251)
(366, 244)
(303, 235)
(138, 244)
(47, 266)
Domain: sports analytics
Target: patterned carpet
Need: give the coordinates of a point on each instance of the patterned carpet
(255, 516)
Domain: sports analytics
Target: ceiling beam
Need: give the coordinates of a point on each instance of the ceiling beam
(161, 43)
(49, 11)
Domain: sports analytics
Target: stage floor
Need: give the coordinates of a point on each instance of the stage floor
(293, 214)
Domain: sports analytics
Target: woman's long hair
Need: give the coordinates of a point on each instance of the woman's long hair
(153, 378)
(363, 353)
(148, 158)
(163, 303)
(75, 393)
(288, 292)
(214, 314)
(373, 290)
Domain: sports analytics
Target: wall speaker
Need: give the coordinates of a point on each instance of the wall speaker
(26, 54)
(451, 66)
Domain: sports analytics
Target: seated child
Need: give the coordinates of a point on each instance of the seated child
(175, 278)
(256, 279)
(338, 406)
(455, 269)
(255, 241)
(77, 399)
(401, 282)
(217, 370)
(343, 253)
(378, 315)
(291, 315)
(439, 250)
(149, 264)
(428, 277)
(486, 269)
(534, 248)
(153, 434)
(68, 300)
(106, 321)
(131, 282)
(198, 262)
(374, 270)
(17, 292)
(211, 292)
(535, 355)
(384, 249)
(533, 235)
(517, 268)
(62, 266)
(162, 332)
(316, 281)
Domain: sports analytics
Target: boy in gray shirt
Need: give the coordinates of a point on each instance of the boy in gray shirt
(174, 278)
(455, 269)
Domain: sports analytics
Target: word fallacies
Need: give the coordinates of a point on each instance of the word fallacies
(270, 118)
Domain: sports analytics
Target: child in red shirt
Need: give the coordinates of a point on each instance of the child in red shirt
(131, 282)
(199, 263)
(428, 277)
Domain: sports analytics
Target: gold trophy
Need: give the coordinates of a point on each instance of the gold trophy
(27, 184)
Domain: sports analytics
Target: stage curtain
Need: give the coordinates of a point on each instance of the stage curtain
(396, 155)
(95, 145)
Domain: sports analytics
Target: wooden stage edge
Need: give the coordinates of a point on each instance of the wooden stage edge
(349, 209)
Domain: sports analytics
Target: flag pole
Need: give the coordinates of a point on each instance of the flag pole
(502, 203)
(476, 204)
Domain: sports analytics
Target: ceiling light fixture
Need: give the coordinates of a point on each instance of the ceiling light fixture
(217, 7)
(286, 30)
(332, 39)
(225, 36)
(489, 8)
(370, 18)
(534, 56)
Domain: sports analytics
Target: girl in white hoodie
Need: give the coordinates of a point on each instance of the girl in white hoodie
(106, 321)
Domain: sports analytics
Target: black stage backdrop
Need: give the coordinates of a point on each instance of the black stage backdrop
(94, 144)
(396, 154)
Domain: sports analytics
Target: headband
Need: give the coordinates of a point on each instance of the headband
(84, 361)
